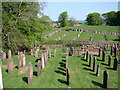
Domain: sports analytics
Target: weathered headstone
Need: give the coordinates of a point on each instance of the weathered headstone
(3, 56)
(98, 70)
(111, 52)
(87, 54)
(36, 53)
(39, 68)
(90, 60)
(24, 60)
(42, 61)
(109, 60)
(49, 53)
(66, 61)
(94, 64)
(100, 52)
(30, 73)
(1, 81)
(9, 54)
(115, 65)
(54, 52)
(68, 76)
(106, 79)
(103, 55)
(115, 51)
(10, 65)
(31, 51)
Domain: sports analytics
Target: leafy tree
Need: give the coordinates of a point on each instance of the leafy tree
(112, 18)
(94, 19)
(63, 19)
(72, 21)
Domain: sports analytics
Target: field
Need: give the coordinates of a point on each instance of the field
(53, 75)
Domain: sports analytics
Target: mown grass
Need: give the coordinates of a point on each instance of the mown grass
(113, 38)
(98, 28)
(98, 37)
(84, 36)
(49, 31)
(53, 75)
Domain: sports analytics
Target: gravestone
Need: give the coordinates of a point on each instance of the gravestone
(111, 52)
(115, 51)
(24, 59)
(1, 81)
(30, 73)
(3, 56)
(24, 52)
(36, 53)
(100, 52)
(9, 54)
(31, 51)
(42, 60)
(98, 70)
(115, 65)
(85, 55)
(66, 61)
(106, 79)
(109, 60)
(94, 64)
(54, 52)
(10, 65)
(49, 53)
(39, 68)
(103, 56)
(90, 60)
(68, 77)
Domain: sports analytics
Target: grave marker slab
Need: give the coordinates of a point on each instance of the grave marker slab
(98, 70)
(3, 56)
(30, 73)
(94, 64)
(39, 65)
(9, 54)
(115, 65)
(106, 79)
(109, 60)
(90, 60)
(10, 65)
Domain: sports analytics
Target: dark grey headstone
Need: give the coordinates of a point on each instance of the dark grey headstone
(115, 65)
(98, 70)
(109, 60)
(103, 56)
(68, 76)
(94, 64)
(90, 60)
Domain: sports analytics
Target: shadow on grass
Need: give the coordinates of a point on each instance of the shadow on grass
(62, 81)
(37, 60)
(62, 64)
(6, 70)
(60, 72)
(87, 69)
(83, 59)
(99, 59)
(16, 67)
(63, 60)
(35, 73)
(86, 65)
(97, 84)
(104, 64)
(110, 68)
(63, 56)
(93, 74)
(25, 79)
(61, 69)
(35, 65)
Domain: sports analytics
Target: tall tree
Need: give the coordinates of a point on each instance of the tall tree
(94, 19)
(63, 19)
(72, 21)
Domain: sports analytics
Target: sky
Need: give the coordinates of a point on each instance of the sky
(78, 10)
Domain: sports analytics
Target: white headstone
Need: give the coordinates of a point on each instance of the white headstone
(23, 59)
(43, 61)
(1, 83)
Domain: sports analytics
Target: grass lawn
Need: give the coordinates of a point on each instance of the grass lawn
(113, 38)
(99, 28)
(98, 37)
(84, 36)
(49, 31)
(53, 75)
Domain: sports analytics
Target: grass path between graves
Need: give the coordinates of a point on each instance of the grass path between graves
(53, 75)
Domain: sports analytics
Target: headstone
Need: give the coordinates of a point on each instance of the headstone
(68, 76)
(106, 79)
(100, 52)
(1, 81)
(85, 55)
(30, 73)
(111, 52)
(66, 61)
(109, 60)
(94, 64)
(10, 66)
(54, 52)
(24, 60)
(24, 52)
(90, 60)
(9, 54)
(39, 68)
(42, 61)
(115, 51)
(115, 65)
(98, 70)
(3, 56)
(31, 51)
(103, 56)
(36, 53)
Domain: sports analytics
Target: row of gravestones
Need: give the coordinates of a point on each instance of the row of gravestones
(91, 37)
(106, 73)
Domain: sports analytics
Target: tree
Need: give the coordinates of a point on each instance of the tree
(94, 19)
(63, 19)
(112, 18)
(72, 21)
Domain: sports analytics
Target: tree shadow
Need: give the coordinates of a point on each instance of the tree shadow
(116, 39)
(60, 72)
(35, 73)
(86, 65)
(62, 81)
(104, 64)
(87, 69)
(97, 84)
(25, 79)
(61, 69)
